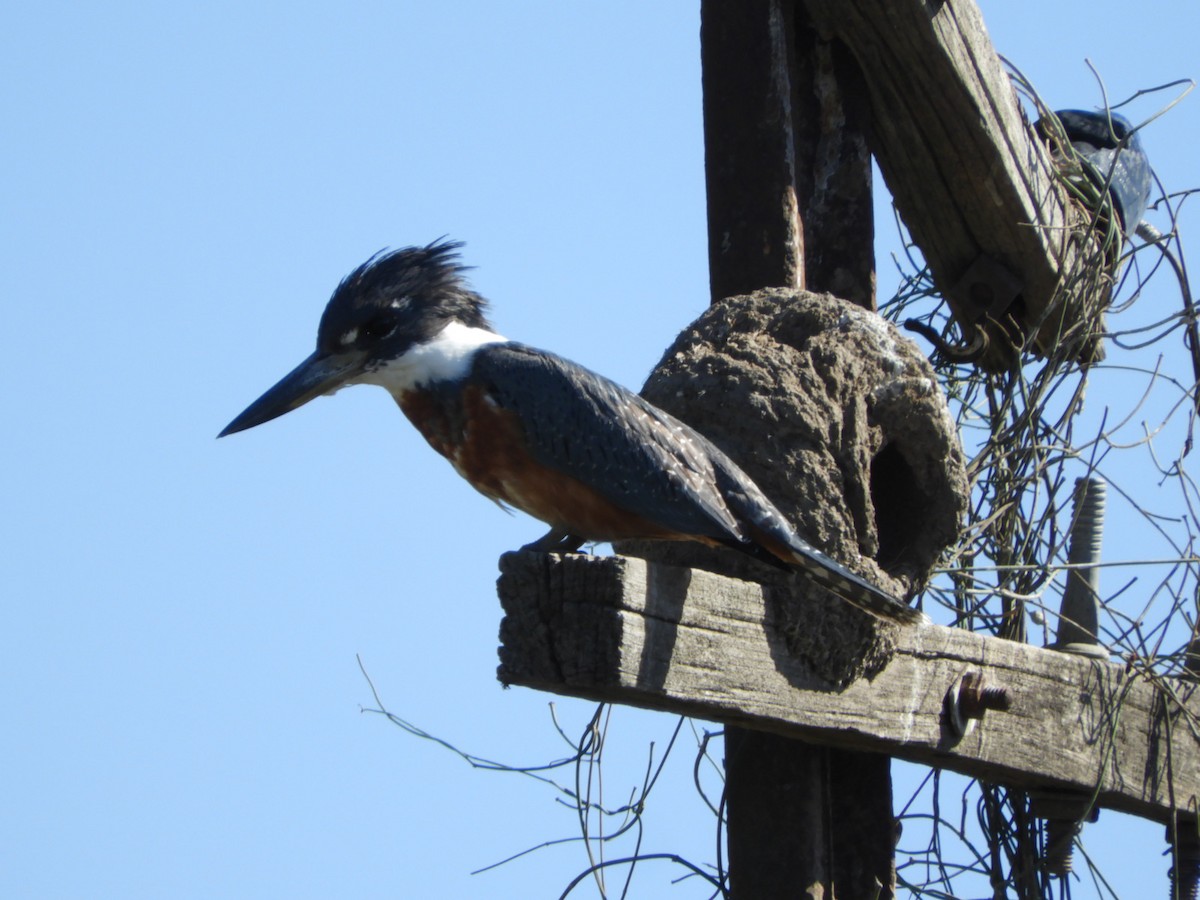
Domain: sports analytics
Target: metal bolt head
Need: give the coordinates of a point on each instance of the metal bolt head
(969, 698)
(976, 697)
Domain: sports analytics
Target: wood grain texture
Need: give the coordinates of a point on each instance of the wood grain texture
(969, 179)
(699, 644)
(747, 52)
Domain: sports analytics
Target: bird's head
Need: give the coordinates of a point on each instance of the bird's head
(386, 310)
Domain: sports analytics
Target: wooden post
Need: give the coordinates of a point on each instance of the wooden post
(746, 53)
(789, 204)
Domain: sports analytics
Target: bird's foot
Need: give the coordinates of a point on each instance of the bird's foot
(556, 540)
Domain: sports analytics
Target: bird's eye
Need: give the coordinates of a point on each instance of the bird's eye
(377, 329)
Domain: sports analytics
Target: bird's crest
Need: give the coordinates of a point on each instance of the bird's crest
(415, 283)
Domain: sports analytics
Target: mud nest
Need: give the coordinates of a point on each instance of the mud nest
(836, 415)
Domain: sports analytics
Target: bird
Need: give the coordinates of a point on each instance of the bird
(534, 431)
(1116, 161)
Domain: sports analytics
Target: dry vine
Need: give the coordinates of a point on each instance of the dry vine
(1030, 432)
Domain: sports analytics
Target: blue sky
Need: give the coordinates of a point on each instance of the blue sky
(184, 186)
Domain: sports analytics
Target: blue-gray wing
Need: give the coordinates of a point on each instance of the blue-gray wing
(635, 455)
(1109, 143)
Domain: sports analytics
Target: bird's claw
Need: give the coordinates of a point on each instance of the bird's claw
(556, 540)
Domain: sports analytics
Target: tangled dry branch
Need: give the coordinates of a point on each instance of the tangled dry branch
(1032, 432)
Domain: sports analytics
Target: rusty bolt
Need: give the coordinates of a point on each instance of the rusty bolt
(969, 698)
(975, 697)
(1065, 813)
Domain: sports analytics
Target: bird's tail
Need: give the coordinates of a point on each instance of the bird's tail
(854, 589)
(764, 528)
(792, 550)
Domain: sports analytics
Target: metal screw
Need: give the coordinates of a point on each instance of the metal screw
(974, 697)
(969, 698)
(1064, 812)
(1059, 858)
(1079, 616)
(1185, 847)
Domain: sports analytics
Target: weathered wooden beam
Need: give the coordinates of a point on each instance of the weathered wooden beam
(830, 120)
(691, 642)
(975, 188)
(754, 231)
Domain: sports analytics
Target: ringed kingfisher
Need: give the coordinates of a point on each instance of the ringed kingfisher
(1117, 162)
(531, 430)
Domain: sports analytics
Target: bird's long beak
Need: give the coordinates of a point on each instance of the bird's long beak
(321, 373)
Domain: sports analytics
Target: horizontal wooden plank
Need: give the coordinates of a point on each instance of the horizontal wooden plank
(691, 642)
